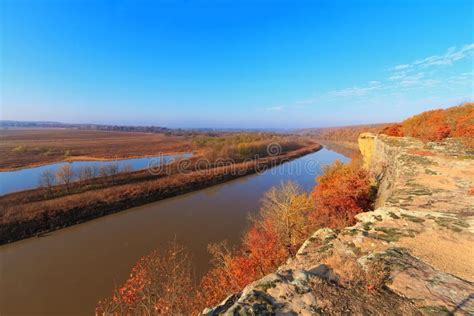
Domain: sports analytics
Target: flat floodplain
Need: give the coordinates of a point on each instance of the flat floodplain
(20, 148)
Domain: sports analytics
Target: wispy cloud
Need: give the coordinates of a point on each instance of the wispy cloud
(356, 91)
(274, 108)
(401, 67)
(404, 77)
(452, 55)
(413, 74)
(462, 79)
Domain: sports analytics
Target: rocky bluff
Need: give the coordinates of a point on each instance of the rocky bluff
(412, 255)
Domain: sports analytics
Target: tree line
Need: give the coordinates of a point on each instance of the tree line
(436, 125)
(66, 174)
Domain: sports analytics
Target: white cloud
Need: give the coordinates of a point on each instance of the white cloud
(410, 74)
(452, 55)
(397, 76)
(462, 79)
(354, 91)
(401, 67)
(404, 78)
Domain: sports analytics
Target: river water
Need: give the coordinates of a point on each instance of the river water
(69, 270)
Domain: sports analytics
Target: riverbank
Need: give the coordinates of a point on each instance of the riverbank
(23, 217)
(94, 159)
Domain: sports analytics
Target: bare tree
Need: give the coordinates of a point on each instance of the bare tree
(85, 173)
(109, 170)
(127, 168)
(95, 171)
(65, 175)
(47, 179)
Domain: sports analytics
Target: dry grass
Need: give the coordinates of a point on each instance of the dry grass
(27, 147)
(351, 274)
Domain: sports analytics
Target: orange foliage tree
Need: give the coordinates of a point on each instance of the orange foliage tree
(160, 283)
(393, 130)
(259, 254)
(436, 125)
(343, 191)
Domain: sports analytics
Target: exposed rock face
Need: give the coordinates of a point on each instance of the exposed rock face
(413, 255)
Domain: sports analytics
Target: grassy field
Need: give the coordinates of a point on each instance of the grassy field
(27, 147)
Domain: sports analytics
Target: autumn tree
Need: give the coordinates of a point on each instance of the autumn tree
(287, 209)
(275, 234)
(393, 130)
(161, 283)
(342, 191)
(436, 125)
(260, 253)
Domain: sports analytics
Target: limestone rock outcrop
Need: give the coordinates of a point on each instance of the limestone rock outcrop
(413, 255)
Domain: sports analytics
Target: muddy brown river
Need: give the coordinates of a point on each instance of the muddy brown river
(66, 272)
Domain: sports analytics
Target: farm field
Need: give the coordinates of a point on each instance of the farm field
(21, 148)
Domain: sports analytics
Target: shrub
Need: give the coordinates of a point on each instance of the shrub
(260, 253)
(393, 130)
(160, 283)
(342, 192)
(19, 149)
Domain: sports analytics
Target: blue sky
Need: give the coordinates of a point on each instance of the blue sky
(234, 63)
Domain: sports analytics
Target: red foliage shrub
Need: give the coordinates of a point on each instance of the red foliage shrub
(160, 283)
(342, 192)
(260, 253)
(393, 130)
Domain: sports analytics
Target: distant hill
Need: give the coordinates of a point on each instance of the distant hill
(343, 133)
(137, 128)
